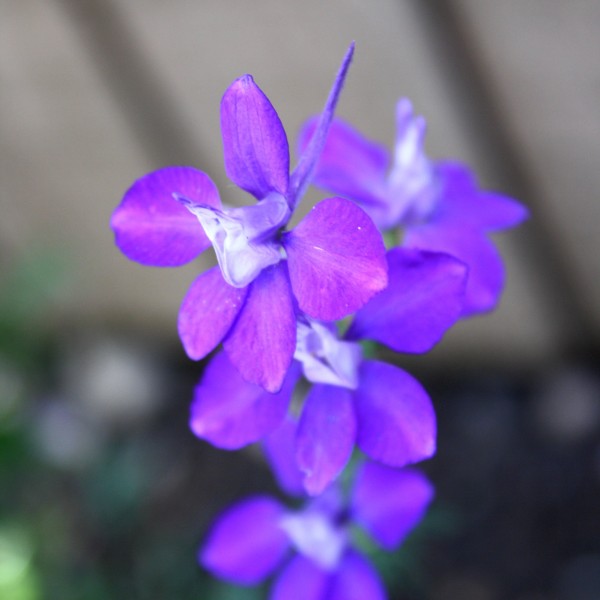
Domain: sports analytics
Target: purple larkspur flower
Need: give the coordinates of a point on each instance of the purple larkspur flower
(314, 546)
(353, 401)
(436, 203)
(265, 272)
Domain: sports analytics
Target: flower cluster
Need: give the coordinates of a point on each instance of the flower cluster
(298, 303)
(314, 546)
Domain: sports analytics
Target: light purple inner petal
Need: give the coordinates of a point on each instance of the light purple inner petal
(152, 228)
(356, 579)
(254, 141)
(244, 238)
(336, 260)
(396, 420)
(229, 412)
(262, 341)
(207, 313)
(301, 579)
(324, 357)
(246, 542)
(314, 535)
(413, 192)
(424, 297)
(389, 503)
(326, 436)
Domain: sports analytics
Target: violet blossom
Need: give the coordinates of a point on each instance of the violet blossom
(436, 203)
(314, 546)
(265, 273)
(353, 401)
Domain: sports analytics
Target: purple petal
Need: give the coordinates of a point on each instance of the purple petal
(152, 228)
(336, 260)
(424, 297)
(207, 313)
(261, 343)
(229, 412)
(486, 270)
(280, 450)
(326, 436)
(463, 204)
(254, 141)
(246, 543)
(302, 579)
(350, 165)
(314, 147)
(356, 579)
(396, 421)
(389, 503)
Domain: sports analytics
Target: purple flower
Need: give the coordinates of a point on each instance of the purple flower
(377, 406)
(252, 539)
(265, 273)
(437, 203)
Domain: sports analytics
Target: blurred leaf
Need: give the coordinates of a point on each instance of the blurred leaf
(18, 579)
(27, 289)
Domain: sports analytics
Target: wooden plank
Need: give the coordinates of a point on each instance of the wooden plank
(541, 61)
(67, 156)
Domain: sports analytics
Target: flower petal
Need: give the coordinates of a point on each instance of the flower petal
(326, 435)
(301, 579)
(486, 269)
(396, 421)
(336, 260)
(424, 297)
(356, 579)
(229, 412)
(152, 228)
(389, 503)
(350, 165)
(246, 542)
(280, 450)
(261, 343)
(310, 154)
(254, 141)
(207, 312)
(463, 204)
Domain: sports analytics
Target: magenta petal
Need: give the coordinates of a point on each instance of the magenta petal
(356, 579)
(229, 412)
(152, 228)
(326, 435)
(261, 344)
(462, 204)
(396, 420)
(389, 503)
(336, 260)
(207, 313)
(424, 297)
(254, 141)
(302, 579)
(246, 543)
(350, 165)
(486, 270)
(280, 450)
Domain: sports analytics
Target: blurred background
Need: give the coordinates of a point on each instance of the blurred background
(104, 493)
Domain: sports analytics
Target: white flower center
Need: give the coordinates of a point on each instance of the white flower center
(316, 537)
(324, 357)
(244, 239)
